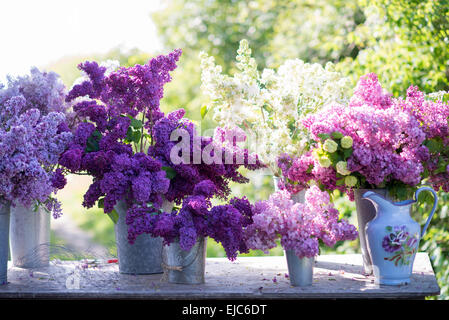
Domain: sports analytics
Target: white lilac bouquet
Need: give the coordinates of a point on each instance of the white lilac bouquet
(300, 227)
(269, 105)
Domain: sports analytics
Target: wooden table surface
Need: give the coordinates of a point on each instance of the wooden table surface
(335, 276)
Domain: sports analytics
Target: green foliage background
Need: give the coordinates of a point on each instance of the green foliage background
(404, 42)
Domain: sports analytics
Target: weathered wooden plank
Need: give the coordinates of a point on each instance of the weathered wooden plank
(335, 276)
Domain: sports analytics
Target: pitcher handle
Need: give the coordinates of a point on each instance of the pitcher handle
(435, 201)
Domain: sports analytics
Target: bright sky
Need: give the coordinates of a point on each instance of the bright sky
(37, 32)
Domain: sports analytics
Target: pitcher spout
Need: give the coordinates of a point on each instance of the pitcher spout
(377, 200)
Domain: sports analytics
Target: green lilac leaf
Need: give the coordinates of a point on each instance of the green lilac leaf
(337, 135)
(136, 124)
(113, 215)
(170, 172)
(204, 111)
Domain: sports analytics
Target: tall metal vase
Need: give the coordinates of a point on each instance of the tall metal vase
(300, 270)
(365, 213)
(185, 267)
(29, 236)
(144, 256)
(4, 241)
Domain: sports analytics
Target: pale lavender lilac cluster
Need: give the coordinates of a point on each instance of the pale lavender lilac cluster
(299, 226)
(33, 134)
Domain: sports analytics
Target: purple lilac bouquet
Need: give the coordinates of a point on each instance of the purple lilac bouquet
(34, 132)
(109, 142)
(373, 142)
(125, 142)
(299, 226)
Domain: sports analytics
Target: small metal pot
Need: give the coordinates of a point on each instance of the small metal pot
(300, 270)
(142, 257)
(29, 235)
(4, 241)
(185, 267)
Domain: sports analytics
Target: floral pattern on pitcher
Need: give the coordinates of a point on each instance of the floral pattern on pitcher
(400, 242)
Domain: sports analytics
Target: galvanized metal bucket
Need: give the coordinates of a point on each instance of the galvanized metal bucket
(29, 236)
(300, 270)
(185, 267)
(142, 257)
(4, 241)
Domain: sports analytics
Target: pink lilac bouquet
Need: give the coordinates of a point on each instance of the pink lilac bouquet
(373, 142)
(299, 226)
(433, 114)
(124, 142)
(34, 132)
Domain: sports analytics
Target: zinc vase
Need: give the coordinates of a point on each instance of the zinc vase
(29, 236)
(4, 241)
(393, 237)
(144, 256)
(365, 213)
(300, 270)
(185, 267)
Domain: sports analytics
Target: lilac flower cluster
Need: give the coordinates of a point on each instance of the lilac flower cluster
(433, 116)
(125, 143)
(297, 171)
(42, 90)
(387, 143)
(190, 172)
(299, 226)
(33, 134)
(103, 142)
(130, 91)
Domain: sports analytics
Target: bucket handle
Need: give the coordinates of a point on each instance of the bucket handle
(435, 201)
(182, 267)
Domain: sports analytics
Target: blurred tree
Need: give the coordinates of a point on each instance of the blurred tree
(276, 29)
(404, 42)
(436, 240)
(315, 31)
(67, 67)
(217, 26)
